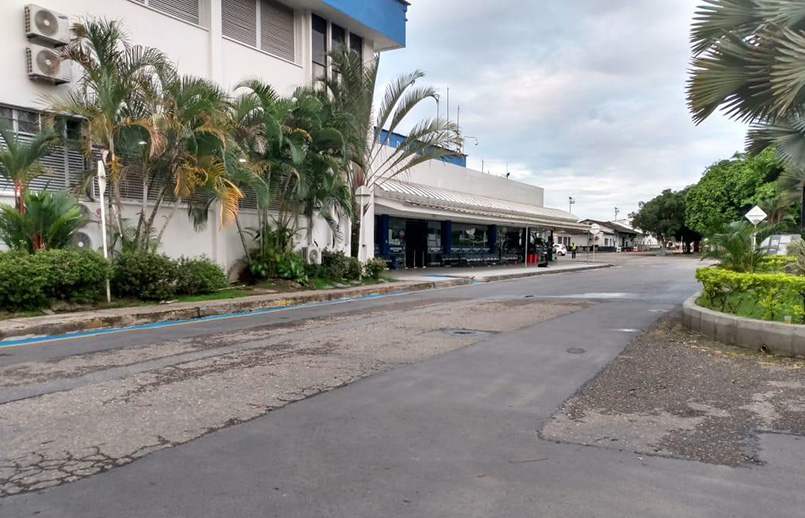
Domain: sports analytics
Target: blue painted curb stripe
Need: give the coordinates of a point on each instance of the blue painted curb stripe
(153, 325)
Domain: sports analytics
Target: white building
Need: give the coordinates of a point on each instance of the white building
(443, 213)
(282, 42)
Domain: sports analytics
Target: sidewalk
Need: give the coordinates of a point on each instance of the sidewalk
(409, 280)
(61, 323)
(495, 273)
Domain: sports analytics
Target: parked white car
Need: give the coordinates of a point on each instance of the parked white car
(559, 249)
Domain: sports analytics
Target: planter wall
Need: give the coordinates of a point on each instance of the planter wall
(757, 335)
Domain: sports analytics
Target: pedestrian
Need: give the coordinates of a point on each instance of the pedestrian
(573, 250)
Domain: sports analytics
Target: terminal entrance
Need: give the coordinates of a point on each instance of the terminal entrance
(415, 243)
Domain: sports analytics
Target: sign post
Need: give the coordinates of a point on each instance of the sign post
(755, 216)
(101, 191)
(595, 229)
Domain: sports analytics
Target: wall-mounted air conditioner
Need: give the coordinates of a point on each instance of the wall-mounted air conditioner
(311, 254)
(45, 64)
(46, 26)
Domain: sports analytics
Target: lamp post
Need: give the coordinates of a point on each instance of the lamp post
(570, 202)
(362, 194)
(101, 191)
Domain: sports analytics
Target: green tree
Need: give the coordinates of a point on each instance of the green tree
(368, 128)
(729, 188)
(748, 60)
(20, 161)
(664, 218)
(49, 220)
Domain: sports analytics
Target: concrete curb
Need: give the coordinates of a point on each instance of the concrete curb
(757, 335)
(63, 323)
(545, 271)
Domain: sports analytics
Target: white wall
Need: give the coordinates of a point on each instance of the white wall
(436, 173)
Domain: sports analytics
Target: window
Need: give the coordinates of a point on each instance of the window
(338, 36)
(319, 47)
(66, 165)
(263, 24)
(356, 44)
(239, 20)
(277, 29)
(186, 10)
(396, 233)
(469, 236)
(434, 236)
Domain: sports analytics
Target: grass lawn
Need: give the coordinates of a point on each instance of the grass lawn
(746, 305)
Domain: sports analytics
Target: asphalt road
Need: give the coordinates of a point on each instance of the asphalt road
(455, 435)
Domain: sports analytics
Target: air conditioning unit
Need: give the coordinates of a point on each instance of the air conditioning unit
(46, 26)
(83, 241)
(45, 64)
(311, 255)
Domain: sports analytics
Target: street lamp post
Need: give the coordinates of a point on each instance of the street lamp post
(570, 202)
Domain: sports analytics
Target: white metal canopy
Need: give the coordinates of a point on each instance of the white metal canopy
(417, 196)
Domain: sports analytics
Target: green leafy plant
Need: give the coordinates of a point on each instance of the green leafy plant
(291, 267)
(724, 289)
(50, 220)
(74, 275)
(23, 282)
(374, 268)
(144, 276)
(20, 161)
(733, 247)
(340, 267)
(199, 275)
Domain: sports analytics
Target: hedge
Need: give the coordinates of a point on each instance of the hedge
(769, 290)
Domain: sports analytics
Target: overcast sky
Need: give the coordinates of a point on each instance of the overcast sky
(585, 98)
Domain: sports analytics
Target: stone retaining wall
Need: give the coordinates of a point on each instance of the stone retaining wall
(758, 335)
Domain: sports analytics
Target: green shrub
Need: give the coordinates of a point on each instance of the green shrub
(291, 267)
(263, 265)
(769, 290)
(144, 276)
(196, 276)
(775, 263)
(74, 275)
(23, 282)
(374, 268)
(340, 267)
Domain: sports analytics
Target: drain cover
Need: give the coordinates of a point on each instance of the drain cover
(576, 350)
(465, 332)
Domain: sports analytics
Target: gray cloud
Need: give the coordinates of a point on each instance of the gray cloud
(582, 97)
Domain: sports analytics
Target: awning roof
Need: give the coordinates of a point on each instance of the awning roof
(418, 195)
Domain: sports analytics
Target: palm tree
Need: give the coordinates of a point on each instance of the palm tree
(49, 221)
(20, 161)
(747, 59)
(734, 248)
(368, 128)
(112, 97)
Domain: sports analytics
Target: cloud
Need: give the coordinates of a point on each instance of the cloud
(582, 97)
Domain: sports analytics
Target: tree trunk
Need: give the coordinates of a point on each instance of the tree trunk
(243, 241)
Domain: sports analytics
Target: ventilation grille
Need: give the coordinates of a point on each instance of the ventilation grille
(186, 10)
(277, 29)
(239, 20)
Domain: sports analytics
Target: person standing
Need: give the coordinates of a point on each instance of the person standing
(573, 250)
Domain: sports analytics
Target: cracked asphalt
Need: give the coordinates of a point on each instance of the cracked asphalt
(380, 408)
(202, 385)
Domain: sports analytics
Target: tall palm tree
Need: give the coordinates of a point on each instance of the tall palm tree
(20, 161)
(748, 59)
(368, 128)
(112, 97)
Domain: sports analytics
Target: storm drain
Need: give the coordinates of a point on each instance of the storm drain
(576, 350)
(465, 332)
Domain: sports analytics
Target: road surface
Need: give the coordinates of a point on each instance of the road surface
(434, 410)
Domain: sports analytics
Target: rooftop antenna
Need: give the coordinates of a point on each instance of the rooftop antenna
(507, 170)
(617, 211)
(482, 166)
(448, 104)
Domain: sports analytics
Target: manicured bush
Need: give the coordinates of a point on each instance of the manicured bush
(354, 270)
(23, 282)
(775, 263)
(770, 291)
(74, 275)
(199, 275)
(374, 268)
(144, 276)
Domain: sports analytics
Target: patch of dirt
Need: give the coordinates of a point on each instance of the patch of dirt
(675, 393)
